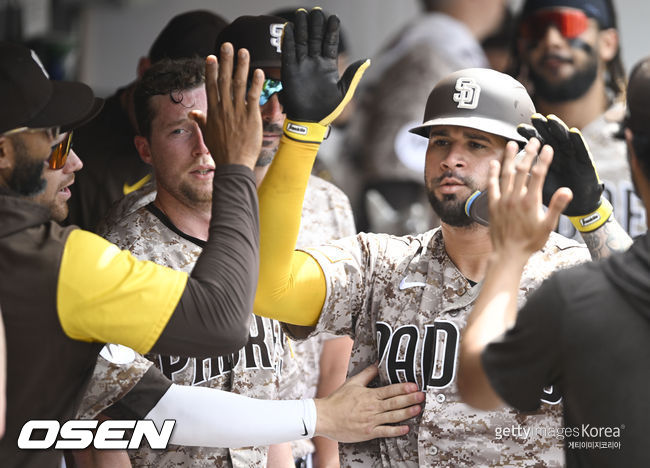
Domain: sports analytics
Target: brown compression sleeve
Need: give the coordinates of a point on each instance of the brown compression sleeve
(213, 314)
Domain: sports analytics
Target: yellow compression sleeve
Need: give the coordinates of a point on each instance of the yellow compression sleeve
(291, 286)
(107, 295)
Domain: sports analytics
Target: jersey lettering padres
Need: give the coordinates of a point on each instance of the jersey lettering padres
(405, 303)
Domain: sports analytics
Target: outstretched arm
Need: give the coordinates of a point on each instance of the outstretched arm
(607, 239)
(573, 167)
(292, 285)
(518, 228)
(354, 413)
(207, 313)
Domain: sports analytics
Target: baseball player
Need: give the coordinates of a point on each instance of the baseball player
(65, 291)
(113, 166)
(172, 228)
(405, 300)
(131, 388)
(584, 330)
(326, 215)
(386, 182)
(569, 51)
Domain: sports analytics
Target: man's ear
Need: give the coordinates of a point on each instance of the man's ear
(608, 42)
(6, 153)
(143, 65)
(142, 145)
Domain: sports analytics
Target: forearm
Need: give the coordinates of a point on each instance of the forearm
(607, 239)
(496, 306)
(494, 312)
(334, 360)
(213, 418)
(280, 456)
(291, 287)
(216, 305)
(327, 453)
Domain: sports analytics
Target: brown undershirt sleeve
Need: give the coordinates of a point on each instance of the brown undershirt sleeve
(212, 317)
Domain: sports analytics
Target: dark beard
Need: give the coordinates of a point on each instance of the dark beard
(450, 209)
(27, 178)
(572, 88)
(267, 154)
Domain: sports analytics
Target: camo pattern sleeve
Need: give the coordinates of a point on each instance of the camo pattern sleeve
(404, 302)
(117, 371)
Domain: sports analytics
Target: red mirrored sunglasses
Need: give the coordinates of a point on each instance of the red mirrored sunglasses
(60, 152)
(570, 23)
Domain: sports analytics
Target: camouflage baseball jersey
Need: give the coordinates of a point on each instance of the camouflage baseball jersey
(127, 205)
(610, 159)
(404, 303)
(255, 370)
(120, 369)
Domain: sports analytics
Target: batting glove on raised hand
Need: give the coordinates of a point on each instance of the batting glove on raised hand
(572, 167)
(312, 94)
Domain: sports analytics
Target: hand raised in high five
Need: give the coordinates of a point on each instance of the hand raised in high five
(355, 413)
(232, 129)
(312, 92)
(518, 222)
(572, 167)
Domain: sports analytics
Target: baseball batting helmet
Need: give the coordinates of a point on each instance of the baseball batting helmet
(478, 98)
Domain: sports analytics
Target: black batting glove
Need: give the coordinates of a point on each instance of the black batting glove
(572, 167)
(312, 94)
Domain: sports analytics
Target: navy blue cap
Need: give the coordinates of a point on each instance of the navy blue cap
(596, 9)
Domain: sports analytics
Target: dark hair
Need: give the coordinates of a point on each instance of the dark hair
(169, 77)
(641, 145)
(615, 81)
(615, 70)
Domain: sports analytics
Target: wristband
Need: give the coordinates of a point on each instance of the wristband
(306, 132)
(595, 219)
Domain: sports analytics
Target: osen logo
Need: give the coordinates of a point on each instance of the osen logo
(276, 36)
(80, 434)
(468, 93)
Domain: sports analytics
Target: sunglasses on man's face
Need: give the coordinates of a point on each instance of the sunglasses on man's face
(569, 22)
(269, 88)
(60, 152)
